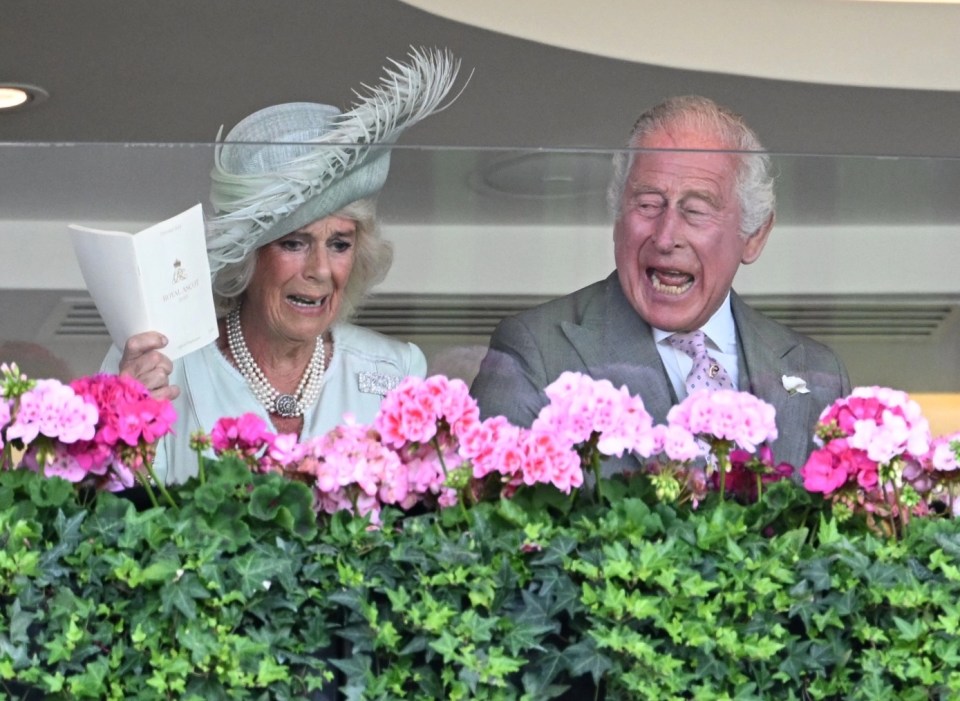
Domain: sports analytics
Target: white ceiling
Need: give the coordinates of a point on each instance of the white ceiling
(814, 41)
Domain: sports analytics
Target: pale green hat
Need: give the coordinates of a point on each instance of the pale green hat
(288, 165)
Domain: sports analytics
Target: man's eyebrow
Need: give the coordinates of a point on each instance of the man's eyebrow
(707, 196)
(640, 188)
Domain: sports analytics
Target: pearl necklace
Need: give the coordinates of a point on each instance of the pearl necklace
(275, 401)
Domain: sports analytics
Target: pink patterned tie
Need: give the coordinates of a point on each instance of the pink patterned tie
(706, 372)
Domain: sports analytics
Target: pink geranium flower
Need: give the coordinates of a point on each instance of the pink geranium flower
(582, 407)
(99, 429)
(728, 415)
(246, 435)
(492, 446)
(942, 455)
(54, 410)
(548, 458)
(875, 444)
(283, 451)
(678, 443)
(417, 409)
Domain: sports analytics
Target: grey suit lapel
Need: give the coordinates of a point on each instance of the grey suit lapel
(769, 352)
(614, 343)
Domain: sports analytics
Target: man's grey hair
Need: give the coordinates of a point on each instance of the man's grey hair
(372, 259)
(754, 176)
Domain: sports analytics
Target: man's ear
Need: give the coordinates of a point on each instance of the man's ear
(754, 245)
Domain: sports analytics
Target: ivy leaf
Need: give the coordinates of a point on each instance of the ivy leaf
(108, 521)
(531, 626)
(51, 563)
(201, 642)
(583, 658)
(91, 683)
(19, 623)
(817, 572)
(182, 595)
(356, 667)
(255, 568)
(538, 680)
(909, 631)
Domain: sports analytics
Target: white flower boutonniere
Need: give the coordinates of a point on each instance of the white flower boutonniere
(795, 385)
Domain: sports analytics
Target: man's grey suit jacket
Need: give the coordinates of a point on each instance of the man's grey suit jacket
(597, 332)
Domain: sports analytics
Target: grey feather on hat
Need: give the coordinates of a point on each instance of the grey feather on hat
(288, 165)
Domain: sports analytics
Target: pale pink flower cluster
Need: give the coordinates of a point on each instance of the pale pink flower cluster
(425, 420)
(99, 429)
(581, 406)
(354, 471)
(703, 426)
(548, 458)
(728, 415)
(521, 456)
(349, 468)
(399, 460)
(419, 410)
(583, 415)
(54, 410)
(937, 475)
(677, 443)
(493, 445)
(942, 455)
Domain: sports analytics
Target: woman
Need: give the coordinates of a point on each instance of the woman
(293, 248)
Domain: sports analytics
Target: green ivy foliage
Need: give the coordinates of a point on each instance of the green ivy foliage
(242, 593)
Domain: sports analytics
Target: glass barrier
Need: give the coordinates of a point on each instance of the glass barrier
(862, 257)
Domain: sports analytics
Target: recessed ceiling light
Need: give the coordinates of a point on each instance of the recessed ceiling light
(15, 96)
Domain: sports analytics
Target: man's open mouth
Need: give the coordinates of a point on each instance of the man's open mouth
(670, 282)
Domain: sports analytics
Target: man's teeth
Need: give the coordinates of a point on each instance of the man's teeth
(661, 286)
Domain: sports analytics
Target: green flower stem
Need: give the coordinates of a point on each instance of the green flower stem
(902, 510)
(595, 467)
(435, 442)
(160, 484)
(759, 486)
(721, 449)
(201, 467)
(146, 485)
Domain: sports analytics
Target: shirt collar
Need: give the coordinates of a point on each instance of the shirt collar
(719, 328)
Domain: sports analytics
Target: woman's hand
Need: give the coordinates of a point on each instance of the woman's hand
(143, 360)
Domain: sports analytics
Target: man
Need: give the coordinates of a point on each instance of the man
(688, 213)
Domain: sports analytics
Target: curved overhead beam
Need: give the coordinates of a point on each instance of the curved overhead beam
(871, 43)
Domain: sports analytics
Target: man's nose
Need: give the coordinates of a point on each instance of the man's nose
(669, 232)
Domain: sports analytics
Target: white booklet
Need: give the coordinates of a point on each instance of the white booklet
(157, 279)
